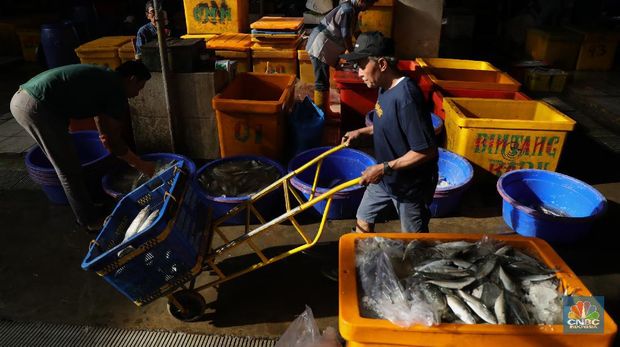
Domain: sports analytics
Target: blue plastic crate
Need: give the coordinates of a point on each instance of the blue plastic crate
(166, 254)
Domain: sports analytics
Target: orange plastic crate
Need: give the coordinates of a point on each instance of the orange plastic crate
(472, 79)
(278, 23)
(360, 331)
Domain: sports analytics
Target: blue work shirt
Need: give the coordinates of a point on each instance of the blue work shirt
(146, 34)
(401, 124)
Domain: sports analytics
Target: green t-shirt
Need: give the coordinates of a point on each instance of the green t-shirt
(79, 91)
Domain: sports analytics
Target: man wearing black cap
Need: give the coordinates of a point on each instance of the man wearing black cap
(403, 137)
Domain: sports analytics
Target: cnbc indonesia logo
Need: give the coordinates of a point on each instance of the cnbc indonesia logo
(583, 315)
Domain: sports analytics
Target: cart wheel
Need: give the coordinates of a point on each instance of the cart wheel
(192, 306)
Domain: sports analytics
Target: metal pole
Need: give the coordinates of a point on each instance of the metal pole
(163, 57)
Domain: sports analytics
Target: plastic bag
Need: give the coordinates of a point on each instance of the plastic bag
(303, 332)
(382, 291)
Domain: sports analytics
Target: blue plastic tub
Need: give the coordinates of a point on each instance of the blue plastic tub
(94, 158)
(269, 206)
(339, 167)
(529, 195)
(458, 172)
(107, 185)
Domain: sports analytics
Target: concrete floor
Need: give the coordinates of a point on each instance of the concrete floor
(41, 251)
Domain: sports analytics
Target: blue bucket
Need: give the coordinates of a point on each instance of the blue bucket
(339, 167)
(269, 206)
(94, 158)
(549, 205)
(106, 181)
(459, 173)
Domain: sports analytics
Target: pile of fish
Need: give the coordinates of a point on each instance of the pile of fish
(127, 179)
(238, 178)
(464, 282)
(143, 220)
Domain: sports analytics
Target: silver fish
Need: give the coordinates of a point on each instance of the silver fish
(500, 308)
(134, 227)
(478, 307)
(432, 264)
(463, 264)
(486, 267)
(490, 292)
(537, 278)
(434, 297)
(508, 284)
(504, 250)
(517, 310)
(460, 309)
(456, 284)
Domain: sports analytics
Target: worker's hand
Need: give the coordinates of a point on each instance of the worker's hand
(372, 174)
(146, 167)
(350, 136)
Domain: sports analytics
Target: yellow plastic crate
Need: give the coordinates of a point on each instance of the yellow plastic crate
(545, 80)
(366, 332)
(201, 17)
(127, 52)
(556, 48)
(230, 42)
(306, 71)
(377, 18)
(29, 41)
(597, 51)
(274, 61)
(103, 51)
(472, 79)
(243, 59)
(278, 23)
(447, 63)
(505, 135)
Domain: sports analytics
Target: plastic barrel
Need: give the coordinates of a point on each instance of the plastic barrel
(269, 206)
(106, 181)
(459, 173)
(527, 192)
(59, 40)
(93, 156)
(339, 167)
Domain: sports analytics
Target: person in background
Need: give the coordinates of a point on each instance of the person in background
(332, 37)
(148, 32)
(44, 105)
(403, 139)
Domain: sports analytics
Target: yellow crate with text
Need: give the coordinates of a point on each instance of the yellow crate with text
(29, 41)
(598, 50)
(103, 51)
(362, 331)
(505, 135)
(377, 18)
(217, 16)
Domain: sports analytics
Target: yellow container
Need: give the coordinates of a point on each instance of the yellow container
(377, 18)
(127, 52)
(447, 63)
(278, 24)
(306, 71)
(275, 61)
(505, 135)
(103, 51)
(243, 59)
(472, 79)
(251, 114)
(201, 17)
(597, 51)
(206, 37)
(556, 48)
(366, 332)
(233, 46)
(545, 80)
(29, 41)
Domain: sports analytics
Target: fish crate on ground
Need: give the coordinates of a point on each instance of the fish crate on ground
(163, 256)
(504, 135)
(361, 331)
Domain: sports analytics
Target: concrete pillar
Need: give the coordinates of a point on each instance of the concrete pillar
(417, 28)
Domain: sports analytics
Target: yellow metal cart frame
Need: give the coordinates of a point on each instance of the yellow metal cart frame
(187, 305)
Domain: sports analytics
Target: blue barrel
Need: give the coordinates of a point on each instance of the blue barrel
(306, 126)
(59, 41)
(549, 205)
(457, 172)
(94, 158)
(269, 206)
(337, 168)
(106, 181)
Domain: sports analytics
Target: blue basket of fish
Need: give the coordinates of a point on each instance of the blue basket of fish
(151, 243)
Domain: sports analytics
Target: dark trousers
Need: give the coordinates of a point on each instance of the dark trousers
(321, 75)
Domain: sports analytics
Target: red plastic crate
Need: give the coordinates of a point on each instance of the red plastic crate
(438, 95)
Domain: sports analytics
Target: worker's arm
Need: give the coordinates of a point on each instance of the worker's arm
(109, 134)
(411, 159)
(355, 134)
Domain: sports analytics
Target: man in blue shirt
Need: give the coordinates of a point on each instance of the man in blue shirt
(403, 138)
(148, 32)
